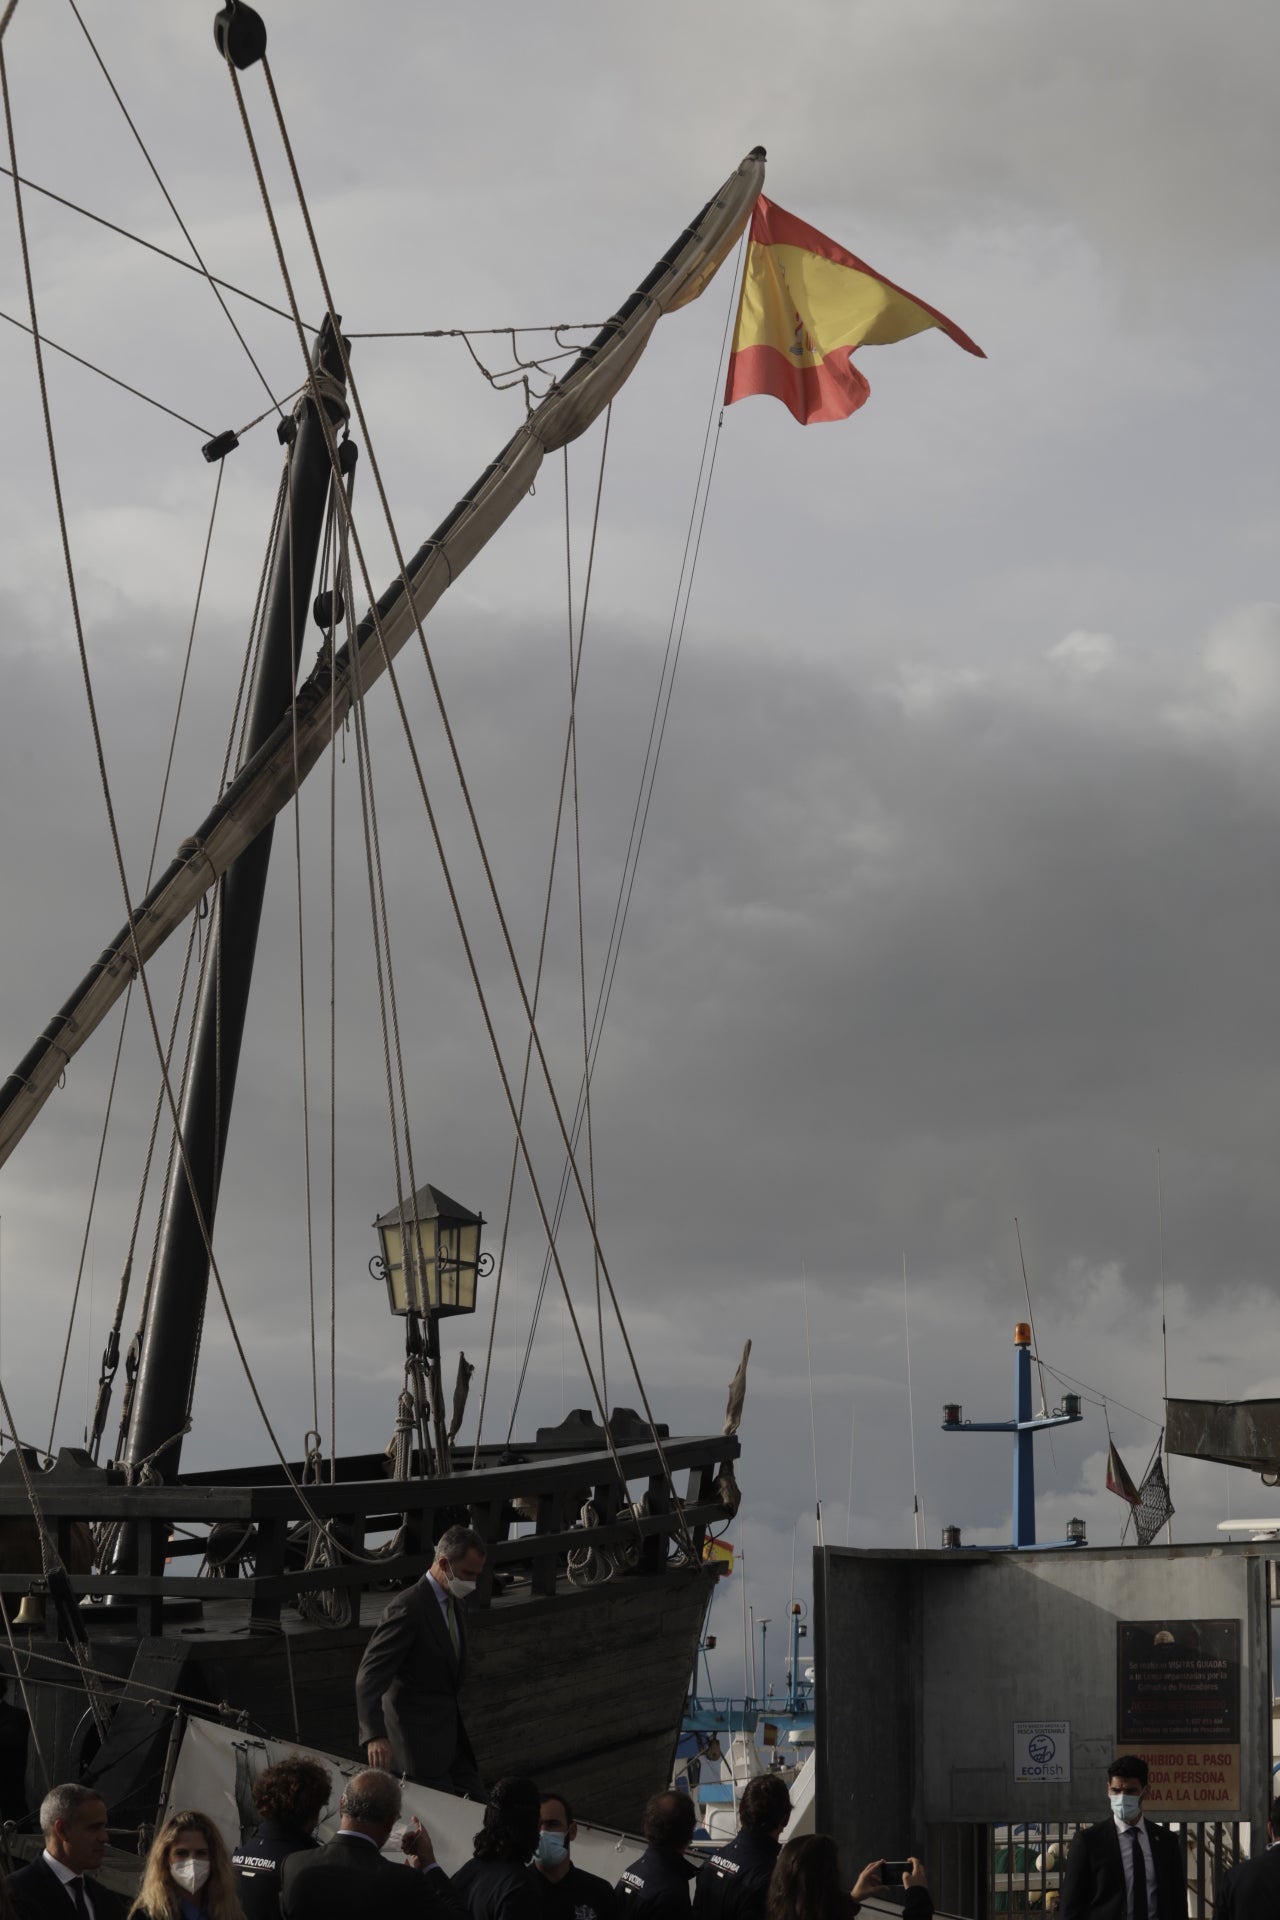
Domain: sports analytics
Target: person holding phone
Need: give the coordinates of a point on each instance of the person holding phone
(807, 1883)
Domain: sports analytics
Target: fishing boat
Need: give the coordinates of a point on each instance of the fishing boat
(138, 1590)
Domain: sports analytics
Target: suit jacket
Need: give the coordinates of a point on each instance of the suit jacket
(38, 1894)
(1251, 1891)
(1094, 1886)
(349, 1876)
(407, 1688)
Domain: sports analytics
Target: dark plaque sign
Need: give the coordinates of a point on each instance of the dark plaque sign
(1178, 1705)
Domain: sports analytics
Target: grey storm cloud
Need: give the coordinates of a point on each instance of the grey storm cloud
(955, 898)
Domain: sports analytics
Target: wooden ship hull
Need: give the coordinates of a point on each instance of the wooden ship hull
(583, 1639)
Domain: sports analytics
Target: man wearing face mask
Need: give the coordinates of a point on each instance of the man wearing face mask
(1126, 1867)
(412, 1672)
(568, 1891)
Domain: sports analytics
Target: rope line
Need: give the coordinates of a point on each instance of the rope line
(399, 699)
(556, 327)
(657, 733)
(118, 852)
(461, 333)
(575, 658)
(302, 1018)
(462, 782)
(186, 232)
(570, 758)
(1096, 1396)
(115, 380)
(188, 266)
(524, 1088)
(124, 1019)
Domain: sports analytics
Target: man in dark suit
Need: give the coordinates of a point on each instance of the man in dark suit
(1251, 1891)
(1126, 1867)
(349, 1876)
(57, 1886)
(412, 1671)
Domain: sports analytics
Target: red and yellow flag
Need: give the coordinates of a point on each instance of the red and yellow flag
(805, 305)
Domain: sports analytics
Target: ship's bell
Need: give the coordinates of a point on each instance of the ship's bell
(31, 1612)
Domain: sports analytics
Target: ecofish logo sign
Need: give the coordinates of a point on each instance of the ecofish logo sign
(1041, 1752)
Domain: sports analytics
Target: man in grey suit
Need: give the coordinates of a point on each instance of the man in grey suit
(412, 1671)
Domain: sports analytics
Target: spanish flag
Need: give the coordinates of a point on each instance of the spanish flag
(805, 305)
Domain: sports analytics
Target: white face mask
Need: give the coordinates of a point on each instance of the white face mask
(457, 1587)
(1126, 1806)
(189, 1874)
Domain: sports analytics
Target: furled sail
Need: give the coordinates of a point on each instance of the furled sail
(268, 781)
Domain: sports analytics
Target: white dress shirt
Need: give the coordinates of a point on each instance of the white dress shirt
(1123, 1828)
(65, 1876)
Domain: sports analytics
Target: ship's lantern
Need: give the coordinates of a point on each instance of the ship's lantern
(430, 1255)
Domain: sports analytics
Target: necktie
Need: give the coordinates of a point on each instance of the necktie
(76, 1889)
(1139, 1908)
(453, 1625)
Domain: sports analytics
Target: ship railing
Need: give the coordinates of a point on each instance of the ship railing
(545, 1494)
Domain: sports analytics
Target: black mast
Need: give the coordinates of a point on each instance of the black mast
(165, 1382)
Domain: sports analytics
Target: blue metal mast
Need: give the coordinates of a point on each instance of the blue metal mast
(1024, 1427)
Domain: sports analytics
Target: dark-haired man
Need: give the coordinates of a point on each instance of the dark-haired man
(412, 1672)
(656, 1886)
(1125, 1867)
(290, 1797)
(495, 1883)
(568, 1891)
(1251, 1891)
(734, 1883)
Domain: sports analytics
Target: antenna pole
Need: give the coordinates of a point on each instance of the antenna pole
(911, 1411)
(1164, 1325)
(813, 1425)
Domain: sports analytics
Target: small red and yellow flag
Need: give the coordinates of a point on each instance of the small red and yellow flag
(805, 305)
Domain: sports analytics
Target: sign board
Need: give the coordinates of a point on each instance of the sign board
(1041, 1752)
(1178, 1705)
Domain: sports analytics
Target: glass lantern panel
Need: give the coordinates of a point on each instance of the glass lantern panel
(468, 1255)
(426, 1281)
(393, 1253)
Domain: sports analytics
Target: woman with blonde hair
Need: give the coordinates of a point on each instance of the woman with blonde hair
(188, 1875)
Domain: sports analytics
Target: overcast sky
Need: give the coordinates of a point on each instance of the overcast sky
(957, 899)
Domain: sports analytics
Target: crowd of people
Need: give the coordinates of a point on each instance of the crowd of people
(521, 1868)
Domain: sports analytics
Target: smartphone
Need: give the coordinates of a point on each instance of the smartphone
(891, 1871)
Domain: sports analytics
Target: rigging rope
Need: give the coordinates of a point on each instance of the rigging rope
(186, 232)
(124, 1019)
(653, 749)
(176, 259)
(302, 1008)
(570, 752)
(528, 1049)
(411, 746)
(117, 849)
(80, 361)
(575, 659)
